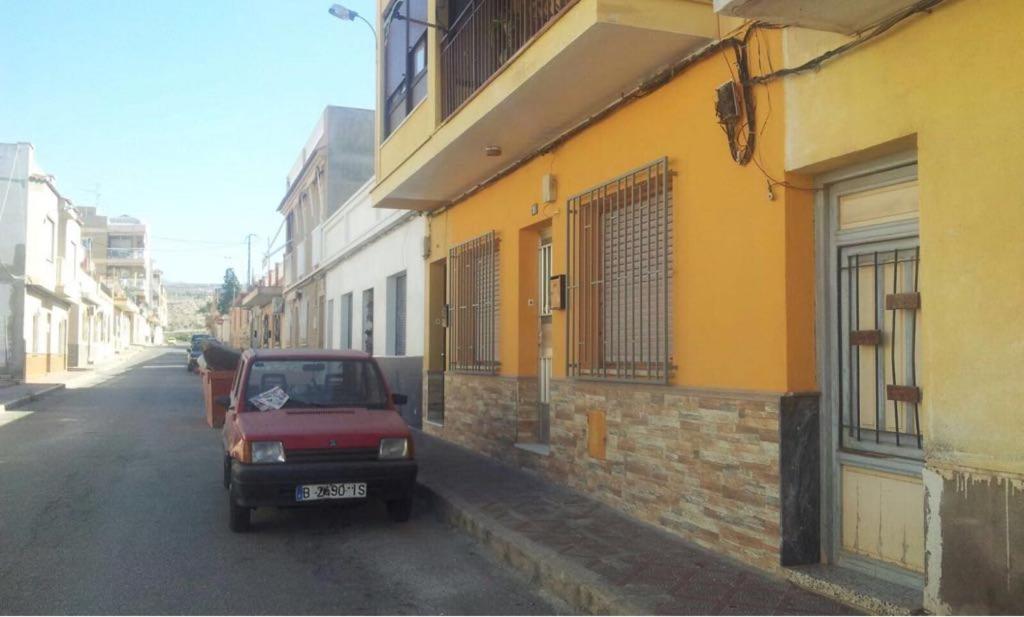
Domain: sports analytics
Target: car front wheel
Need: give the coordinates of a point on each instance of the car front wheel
(238, 517)
(400, 509)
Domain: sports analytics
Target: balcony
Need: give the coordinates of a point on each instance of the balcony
(133, 254)
(483, 39)
(516, 74)
(841, 16)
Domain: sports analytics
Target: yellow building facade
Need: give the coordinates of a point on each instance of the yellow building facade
(931, 91)
(744, 306)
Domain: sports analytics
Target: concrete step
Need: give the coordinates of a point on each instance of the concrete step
(858, 589)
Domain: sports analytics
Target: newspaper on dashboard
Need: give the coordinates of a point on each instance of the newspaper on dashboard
(274, 398)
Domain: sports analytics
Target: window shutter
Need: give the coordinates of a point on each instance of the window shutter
(473, 289)
(346, 321)
(367, 332)
(620, 278)
(400, 315)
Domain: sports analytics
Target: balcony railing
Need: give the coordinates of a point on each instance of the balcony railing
(485, 36)
(126, 253)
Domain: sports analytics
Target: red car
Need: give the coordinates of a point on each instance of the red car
(310, 427)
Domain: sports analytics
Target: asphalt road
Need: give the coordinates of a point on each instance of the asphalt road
(111, 502)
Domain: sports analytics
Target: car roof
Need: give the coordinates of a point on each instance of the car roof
(307, 354)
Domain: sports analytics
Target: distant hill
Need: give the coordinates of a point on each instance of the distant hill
(186, 305)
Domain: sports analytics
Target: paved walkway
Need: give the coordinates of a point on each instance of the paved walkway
(19, 394)
(595, 558)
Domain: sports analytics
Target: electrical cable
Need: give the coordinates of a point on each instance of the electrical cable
(882, 27)
(197, 242)
(663, 77)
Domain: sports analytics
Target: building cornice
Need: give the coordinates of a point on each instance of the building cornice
(356, 247)
(300, 179)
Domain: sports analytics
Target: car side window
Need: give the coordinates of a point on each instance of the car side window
(234, 386)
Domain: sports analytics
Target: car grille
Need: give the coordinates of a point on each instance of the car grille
(331, 455)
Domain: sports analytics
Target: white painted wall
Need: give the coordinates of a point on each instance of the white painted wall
(363, 246)
(43, 219)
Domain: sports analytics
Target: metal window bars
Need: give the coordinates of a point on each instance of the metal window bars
(619, 269)
(879, 315)
(485, 36)
(473, 305)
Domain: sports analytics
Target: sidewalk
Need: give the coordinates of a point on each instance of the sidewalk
(20, 394)
(594, 558)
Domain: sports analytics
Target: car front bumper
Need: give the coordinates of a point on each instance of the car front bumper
(273, 484)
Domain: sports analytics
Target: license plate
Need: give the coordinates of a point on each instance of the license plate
(337, 490)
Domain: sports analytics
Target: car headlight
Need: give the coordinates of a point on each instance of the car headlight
(394, 447)
(267, 452)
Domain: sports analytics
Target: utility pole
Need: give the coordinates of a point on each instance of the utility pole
(248, 267)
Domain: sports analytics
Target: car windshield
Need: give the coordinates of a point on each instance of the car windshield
(315, 383)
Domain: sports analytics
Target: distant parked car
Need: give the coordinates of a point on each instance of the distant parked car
(314, 427)
(195, 350)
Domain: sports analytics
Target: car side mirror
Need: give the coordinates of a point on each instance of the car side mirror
(223, 400)
(399, 399)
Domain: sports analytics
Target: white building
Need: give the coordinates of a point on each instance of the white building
(53, 314)
(374, 273)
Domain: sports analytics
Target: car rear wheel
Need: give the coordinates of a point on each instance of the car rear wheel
(238, 516)
(400, 509)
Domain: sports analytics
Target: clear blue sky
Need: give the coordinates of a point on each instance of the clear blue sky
(187, 114)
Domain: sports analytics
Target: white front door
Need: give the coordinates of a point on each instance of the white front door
(873, 401)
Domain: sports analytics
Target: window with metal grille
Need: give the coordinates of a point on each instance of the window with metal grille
(879, 348)
(473, 305)
(620, 278)
(396, 315)
(368, 321)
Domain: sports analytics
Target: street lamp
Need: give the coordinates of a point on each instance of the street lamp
(349, 15)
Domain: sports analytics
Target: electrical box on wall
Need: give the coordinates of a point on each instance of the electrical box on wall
(727, 102)
(548, 188)
(556, 287)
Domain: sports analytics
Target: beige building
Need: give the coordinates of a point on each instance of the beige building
(265, 304)
(336, 160)
(120, 251)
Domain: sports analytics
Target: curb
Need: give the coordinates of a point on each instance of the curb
(583, 590)
(31, 397)
(50, 389)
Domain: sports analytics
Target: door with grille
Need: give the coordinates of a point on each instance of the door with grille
(873, 402)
